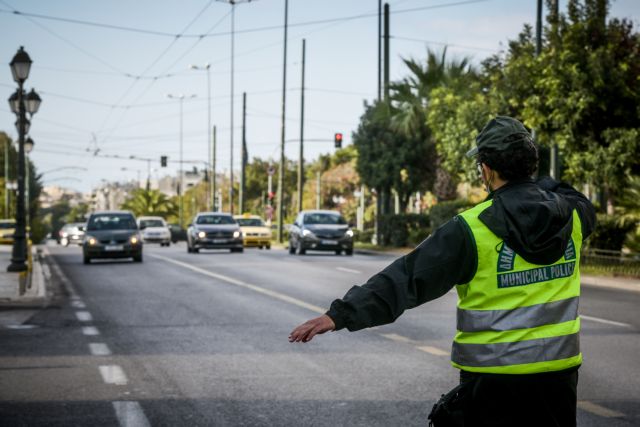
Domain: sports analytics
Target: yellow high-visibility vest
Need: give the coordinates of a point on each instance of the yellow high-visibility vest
(515, 317)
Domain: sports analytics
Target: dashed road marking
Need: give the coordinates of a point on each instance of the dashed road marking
(348, 270)
(605, 321)
(397, 338)
(433, 350)
(231, 280)
(84, 316)
(596, 409)
(426, 348)
(130, 414)
(90, 330)
(113, 374)
(99, 349)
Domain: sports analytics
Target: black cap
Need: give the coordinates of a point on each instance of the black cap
(494, 136)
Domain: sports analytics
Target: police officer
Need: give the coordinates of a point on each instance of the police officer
(514, 260)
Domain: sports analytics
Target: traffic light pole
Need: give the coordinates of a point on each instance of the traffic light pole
(243, 154)
(214, 193)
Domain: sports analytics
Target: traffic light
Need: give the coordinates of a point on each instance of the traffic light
(337, 139)
(163, 161)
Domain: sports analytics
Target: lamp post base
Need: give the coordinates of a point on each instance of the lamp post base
(17, 266)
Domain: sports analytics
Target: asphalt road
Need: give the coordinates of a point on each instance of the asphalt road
(201, 340)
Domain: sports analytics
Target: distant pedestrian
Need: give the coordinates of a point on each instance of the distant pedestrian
(514, 260)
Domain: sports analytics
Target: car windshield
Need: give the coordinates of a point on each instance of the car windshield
(215, 219)
(151, 223)
(111, 222)
(324, 218)
(250, 222)
(7, 225)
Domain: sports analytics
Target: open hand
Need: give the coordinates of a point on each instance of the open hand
(311, 328)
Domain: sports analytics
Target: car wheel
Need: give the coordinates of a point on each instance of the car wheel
(168, 244)
(268, 246)
(195, 250)
(300, 249)
(348, 251)
(188, 248)
(292, 249)
(260, 247)
(137, 258)
(338, 252)
(86, 260)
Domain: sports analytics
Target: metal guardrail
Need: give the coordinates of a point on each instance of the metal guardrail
(614, 262)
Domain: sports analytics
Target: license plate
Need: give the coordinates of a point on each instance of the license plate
(329, 242)
(219, 240)
(113, 248)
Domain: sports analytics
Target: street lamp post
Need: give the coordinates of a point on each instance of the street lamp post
(210, 141)
(21, 104)
(28, 147)
(181, 98)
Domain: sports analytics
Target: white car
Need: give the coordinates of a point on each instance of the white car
(154, 229)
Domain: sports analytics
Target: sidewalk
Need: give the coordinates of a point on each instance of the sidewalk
(21, 294)
(624, 283)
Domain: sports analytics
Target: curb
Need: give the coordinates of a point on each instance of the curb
(35, 287)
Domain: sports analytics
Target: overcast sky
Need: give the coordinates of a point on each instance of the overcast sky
(106, 88)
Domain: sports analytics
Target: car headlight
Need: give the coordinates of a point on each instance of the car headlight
(307, 233)
(349, 233)
(90, 240)
(202, 234)
(134, 240)
(236, 234)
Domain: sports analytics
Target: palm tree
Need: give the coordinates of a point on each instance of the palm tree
(410, 102)
(149, 202)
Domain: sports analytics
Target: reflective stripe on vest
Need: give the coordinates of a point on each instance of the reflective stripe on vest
(515, 317)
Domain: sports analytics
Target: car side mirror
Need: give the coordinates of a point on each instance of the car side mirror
(81, 228)
(142, 227)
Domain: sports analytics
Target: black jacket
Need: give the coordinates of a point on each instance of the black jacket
(533, 218)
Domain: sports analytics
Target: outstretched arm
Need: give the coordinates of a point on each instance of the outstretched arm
(446, 258)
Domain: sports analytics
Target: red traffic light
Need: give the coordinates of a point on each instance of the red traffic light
(337, 139)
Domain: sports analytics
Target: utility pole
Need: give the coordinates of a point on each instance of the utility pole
(318, 192)
(233, 41)
(301, 158)
(386, 51)
(213, 173)
(243, 154)
(148, 174)
(379, 50)
(284, 99)
(554, 161)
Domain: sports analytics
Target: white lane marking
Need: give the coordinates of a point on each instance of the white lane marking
(84, 316)
(596, 409)
(348, 270)
(397, 338)
(99, 349)
(608, 322)
(78, 304)
(63, 277)
(231, 280)
(90, 330)
(426, 348)
(433, 350)
(113, 374)
(130, 414)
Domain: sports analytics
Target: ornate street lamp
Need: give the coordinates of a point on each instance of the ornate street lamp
(21, 104)
(28, 145)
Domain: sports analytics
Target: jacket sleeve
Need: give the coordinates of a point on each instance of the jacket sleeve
(585, 208)
(448, 257)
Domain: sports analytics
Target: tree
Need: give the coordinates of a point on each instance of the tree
(144, 202)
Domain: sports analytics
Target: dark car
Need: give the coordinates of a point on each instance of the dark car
(214, 230)
(112, 235)
(320, 231)
(178, 234)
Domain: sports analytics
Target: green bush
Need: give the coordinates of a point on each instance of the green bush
(610, 232)
(364, 236)
(444, 211)
(396, 230)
